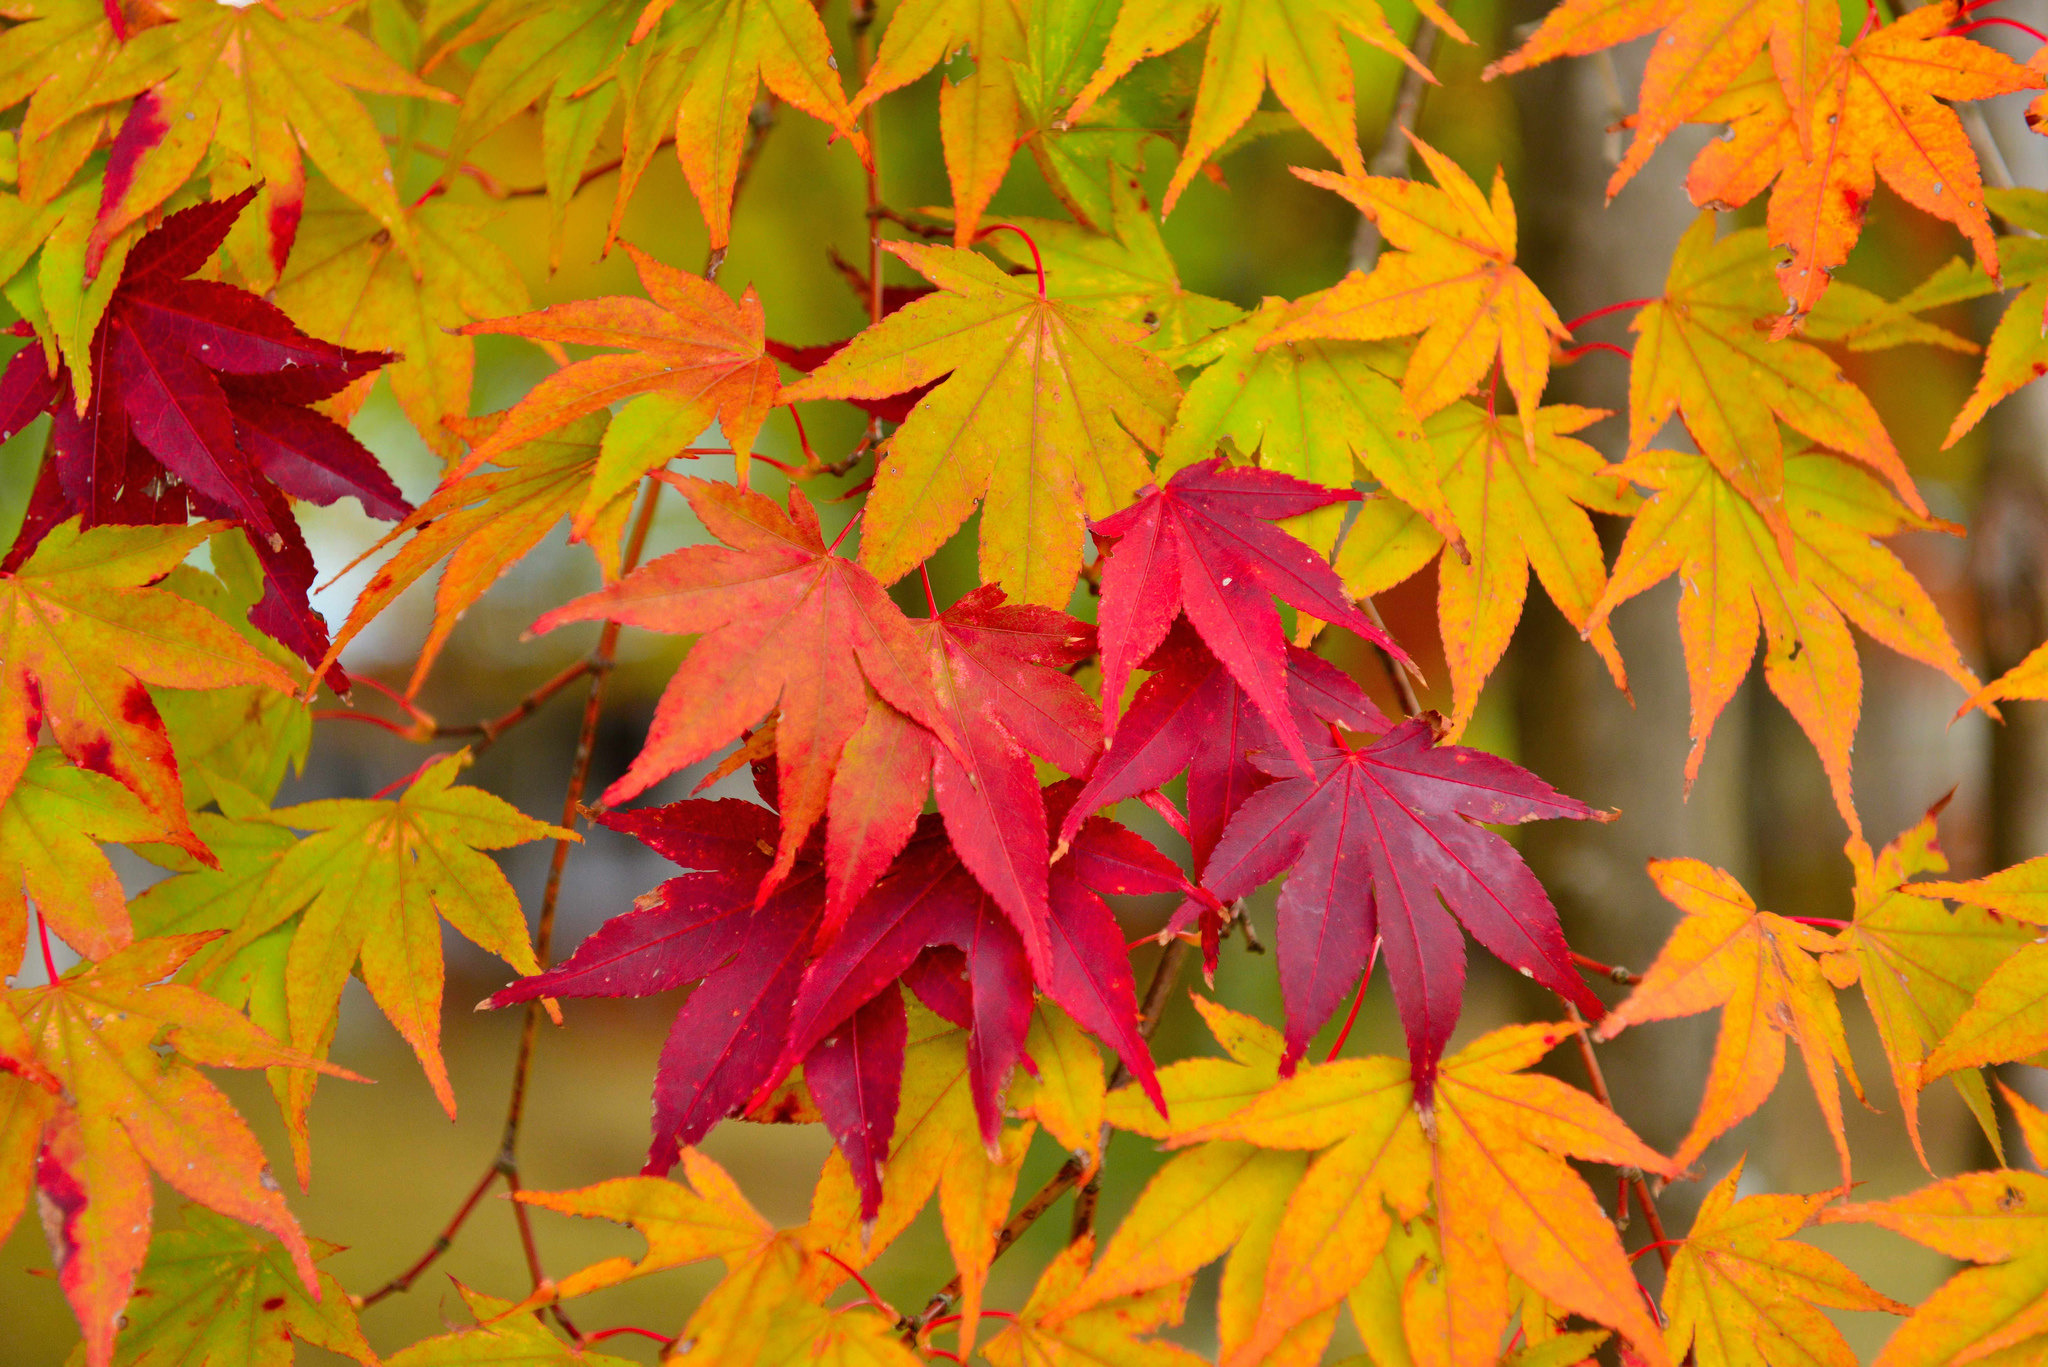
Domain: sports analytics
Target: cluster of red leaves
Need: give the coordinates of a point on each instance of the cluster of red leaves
(798, 939)
(199, 402)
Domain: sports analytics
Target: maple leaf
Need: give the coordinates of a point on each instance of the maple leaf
(1802, 589)
(1453, 280)
(259, 84)
(195, 401)
(1046, 411)
(938, 1148)
(1704, 49)
(1295, 45)
(1741, 1291)
(1124, 269)
(682, 1222)
(2005, 1019)
(1385, 848)
(1994, 1312)
(688, 341)
(1760, 969)
(375, 880)
(498, 1338)
(1192, 714)
(482, 524)
(1875, 112)
(1199, 546)
(1510, 514)
(1492, 1162)
(348, 281)
(708, 927)
(1919, 964)
(51, 59)
(81, 635)
(1702, 356)
(2016, 355)
(718, 55)
(930, 899)
(1050, 1331)
(785, 624)
(125, 1108)
(978, 113)
(1305, 409)
(214, 1294)
(50, 826)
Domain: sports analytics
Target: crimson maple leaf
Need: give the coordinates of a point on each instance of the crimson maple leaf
(1202, 546)
(1383, 846)
(1192, 715)
(931, 925)
(197, 403)
(703, 928)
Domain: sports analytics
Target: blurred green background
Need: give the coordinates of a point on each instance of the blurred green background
(389, 1168)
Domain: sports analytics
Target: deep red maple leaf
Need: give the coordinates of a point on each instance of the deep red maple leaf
(704, 928)
(931, 925)
(1193, 715)
(198, 404)
(1204, 546)
(1384, 844)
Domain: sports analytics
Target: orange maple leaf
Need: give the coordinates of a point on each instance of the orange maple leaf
(116, 1109)
(1706, 46)
(1876, 113)
(688, 341)
(1454, 280)
(1760, 969)
(1697, 526)
(1996, 1312)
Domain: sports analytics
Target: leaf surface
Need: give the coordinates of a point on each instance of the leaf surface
(1296, 46)
(1760, 969)
(688, 340)
(1383, 846)
(1453, 279)
(1045, 412)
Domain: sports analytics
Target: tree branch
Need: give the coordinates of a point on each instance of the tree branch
(1392, 158)
(1632, 1176)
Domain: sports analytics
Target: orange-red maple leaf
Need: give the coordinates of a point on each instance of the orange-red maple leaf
(785, 624)
(121, 1109)
(688, 340)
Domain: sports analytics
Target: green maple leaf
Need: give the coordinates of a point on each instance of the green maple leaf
(50, 827)
(215, 1293)
(1295, 45)
(1045, 412)
(374, 880)
(1124, 270)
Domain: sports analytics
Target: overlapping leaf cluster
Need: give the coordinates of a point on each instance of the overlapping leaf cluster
(222, 222)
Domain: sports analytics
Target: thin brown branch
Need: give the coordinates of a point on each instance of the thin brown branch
(1392, 158)
(505, 1163)
(1598, 1080)
(442, 1243)
(861, 20)
(1404, 687)
(488, 732)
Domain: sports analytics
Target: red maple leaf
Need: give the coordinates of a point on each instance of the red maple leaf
(1384, 845)
(198, 404)
(1203, 546)
(930, 925)
(1193, 715)
(704, 928)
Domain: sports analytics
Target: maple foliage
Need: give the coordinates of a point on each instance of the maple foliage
(955, 861)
